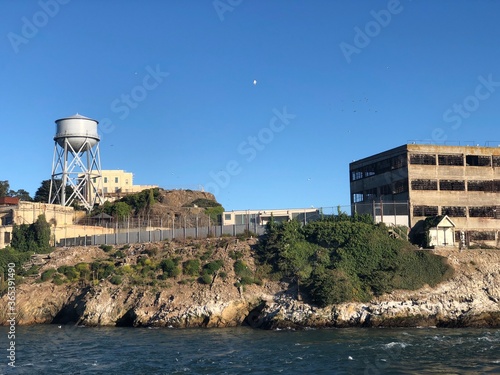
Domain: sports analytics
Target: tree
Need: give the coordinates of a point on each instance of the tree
(43, 192)
(4, 188)
(22, 194)
(32, 237)
(41, 230)
(151, 200)
(120, 210)
(296, 261)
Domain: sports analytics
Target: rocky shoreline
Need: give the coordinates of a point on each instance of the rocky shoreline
(471, 298)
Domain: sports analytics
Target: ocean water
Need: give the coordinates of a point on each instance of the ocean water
(50, 349)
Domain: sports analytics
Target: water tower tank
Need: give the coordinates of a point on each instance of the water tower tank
(76, 167)
(78, 130)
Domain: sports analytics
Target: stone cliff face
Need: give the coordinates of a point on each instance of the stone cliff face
(470, 298)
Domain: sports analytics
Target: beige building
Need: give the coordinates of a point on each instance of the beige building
(119, 182)
(262, 217)
(409, 183)
(60, 218)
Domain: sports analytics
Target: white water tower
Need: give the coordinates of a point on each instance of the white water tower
(77, 163)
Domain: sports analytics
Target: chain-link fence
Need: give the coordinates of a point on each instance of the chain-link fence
(104, 229)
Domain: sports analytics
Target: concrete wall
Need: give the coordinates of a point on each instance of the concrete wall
(27, 213)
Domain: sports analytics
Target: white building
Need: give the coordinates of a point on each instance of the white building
(262, 217)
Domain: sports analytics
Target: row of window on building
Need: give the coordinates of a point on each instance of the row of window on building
(456, 185)
(400, 161)
(457, 211)
(105, 180)
(401, 186)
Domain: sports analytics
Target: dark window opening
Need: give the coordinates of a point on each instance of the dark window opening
(425, 210)
(356, 174)
(424, 185)
(423, 159)
(495, 186)
(478, 160)
(379, 167)
(485, 211)
(6, 238)
(370, 194)
(399, 161)
(496, 161)
(481, 236)
(480, 186)
(386, 190)
(357, 197)
(454, 211)
(451, 160)
(454, 185)
(400, 186)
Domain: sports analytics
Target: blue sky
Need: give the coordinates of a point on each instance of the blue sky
(172, 85)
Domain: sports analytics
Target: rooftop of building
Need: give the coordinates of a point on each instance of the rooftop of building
(470, 148)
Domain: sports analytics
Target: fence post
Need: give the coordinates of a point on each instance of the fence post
(128, 229)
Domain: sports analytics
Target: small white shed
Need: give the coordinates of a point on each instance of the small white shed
(443, 233)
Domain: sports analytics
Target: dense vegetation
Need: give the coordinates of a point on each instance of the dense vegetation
(332, 260)
(154, 266)
(26, 240)
(132, 204)
(344, 258)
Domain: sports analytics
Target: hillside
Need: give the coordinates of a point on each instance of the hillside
(469, 298)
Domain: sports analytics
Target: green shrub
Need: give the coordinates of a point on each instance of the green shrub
(247, 280)
(191, 267)
(47, 274)
(343, 258)
(151, 252)
(206, 255)
(119, 254)
(33, 270)
(116, 280)
(206, 279)
(223, 275)
(102, 270)
(106, 248)
(213, 267)
(83, 270)
(58, 279)
(241, 269)
(235, 255)
(170, 268)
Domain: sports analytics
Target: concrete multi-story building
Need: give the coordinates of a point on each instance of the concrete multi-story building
(409, 183)
(120, 182)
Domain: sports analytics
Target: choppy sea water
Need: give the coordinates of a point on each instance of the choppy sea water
(48, 349)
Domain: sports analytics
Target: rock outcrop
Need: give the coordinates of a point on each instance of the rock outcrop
(470, 298)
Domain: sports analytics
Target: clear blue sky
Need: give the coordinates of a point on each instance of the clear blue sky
(173, 82)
